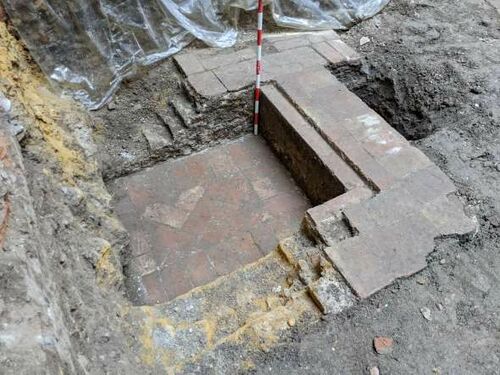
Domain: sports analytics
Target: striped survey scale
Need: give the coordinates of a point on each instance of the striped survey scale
(258, 66)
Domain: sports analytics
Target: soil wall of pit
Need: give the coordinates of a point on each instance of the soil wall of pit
(60, 275)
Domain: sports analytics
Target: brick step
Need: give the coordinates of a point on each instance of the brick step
(381, 224)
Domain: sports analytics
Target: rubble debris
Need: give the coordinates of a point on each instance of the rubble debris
(383, 344)
(364, 40)
(426, 313)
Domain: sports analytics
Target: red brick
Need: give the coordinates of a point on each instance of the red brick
(155, 290)
(144, 264)
(363, 125)
(427, 184)
(365, 164)
(274, 69)
(224, 258)
(206, 84)
(384, 141)
(238, 76)
(322, 36)
(221, 59)
(383, 345)
(264, 237)
(247, 249)
(221, 209)
(334, 206)
(291, 42)
(188, 63)
(140, 197)
(329, 53)
(168, 215)
(139, 243)
(169, 243)
(305, 56)
(175, 280)
(264, 188)
(405, 161)
(199, 268)
(196, 167)
(350, 54)
(284, 203)
(222, 164)
(3, 14)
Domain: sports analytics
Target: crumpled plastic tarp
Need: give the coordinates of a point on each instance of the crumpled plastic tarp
(89, 46)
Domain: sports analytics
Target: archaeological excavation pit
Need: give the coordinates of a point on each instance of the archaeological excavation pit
(325, 166)
(232, 239)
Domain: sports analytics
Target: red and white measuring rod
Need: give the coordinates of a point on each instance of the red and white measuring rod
(258, 66)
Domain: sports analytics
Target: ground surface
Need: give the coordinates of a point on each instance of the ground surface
(194, 219)
(433, 70)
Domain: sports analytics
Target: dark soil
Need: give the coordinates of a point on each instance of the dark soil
(432, 69)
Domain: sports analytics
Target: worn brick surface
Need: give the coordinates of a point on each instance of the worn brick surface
(310, 136)
(189, 63)
(328, 52)
(283, 54)
(350, 54)
(200, 217)
(383, 230)
(291, 43)
(206, 84)
(395, 235)
(381, 203)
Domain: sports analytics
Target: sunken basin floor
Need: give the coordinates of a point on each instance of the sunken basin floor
(196, 218)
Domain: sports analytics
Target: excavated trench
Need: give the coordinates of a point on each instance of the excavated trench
(199, 217)
(153, 123)
(224, 249)
(203, 197)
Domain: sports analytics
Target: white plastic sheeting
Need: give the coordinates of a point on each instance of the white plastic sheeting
(89, 46)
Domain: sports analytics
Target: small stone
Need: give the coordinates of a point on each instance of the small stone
(421, 280)
(5, 104)
(111, 106)
(383, 345)
(426, 313)
(291, 322)
(374, 371)
(16, 130)
(442, 261)
(364, 40)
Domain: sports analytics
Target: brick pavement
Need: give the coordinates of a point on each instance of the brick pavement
(194, 219)
(212, 72)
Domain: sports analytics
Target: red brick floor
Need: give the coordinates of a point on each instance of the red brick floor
(203, 216)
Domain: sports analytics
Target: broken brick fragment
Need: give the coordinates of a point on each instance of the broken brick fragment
(383, 344)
